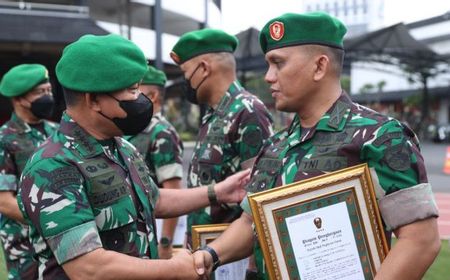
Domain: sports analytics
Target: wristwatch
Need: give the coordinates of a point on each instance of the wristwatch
(212, 195)
(165, 242)
(215, 257)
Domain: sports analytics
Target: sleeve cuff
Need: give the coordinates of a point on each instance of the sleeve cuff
(169, 171)
(407, 206)
(245, 205)
(75, 242)
(8, 182)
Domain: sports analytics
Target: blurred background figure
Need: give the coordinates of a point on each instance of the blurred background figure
(28, 88)
(162, 149)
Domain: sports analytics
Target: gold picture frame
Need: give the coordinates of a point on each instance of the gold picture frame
(303, 228)
(204, 234)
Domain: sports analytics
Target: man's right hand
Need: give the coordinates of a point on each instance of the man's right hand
(183, 263)
(203, 263)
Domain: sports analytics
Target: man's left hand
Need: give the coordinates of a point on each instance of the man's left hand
(231, 190)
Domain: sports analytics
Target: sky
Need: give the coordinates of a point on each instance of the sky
(238, 15)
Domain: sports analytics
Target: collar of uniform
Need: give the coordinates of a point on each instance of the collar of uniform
(235, 87)
(85, 144)
(337, 116)
(18, 124)
(228, 97)
(157, 115)
(155, 119)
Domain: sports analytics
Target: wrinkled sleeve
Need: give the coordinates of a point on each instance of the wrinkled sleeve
(255, 126)
(8, 178)
(53, 200)
(166, 154)
(399, 176)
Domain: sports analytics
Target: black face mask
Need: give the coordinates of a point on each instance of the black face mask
(43, 106)
(190, 92)
(139, 113)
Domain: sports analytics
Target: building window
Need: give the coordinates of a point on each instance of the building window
(336, 8)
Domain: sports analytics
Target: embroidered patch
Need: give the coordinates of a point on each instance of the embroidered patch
(276, 30)
(398, 157)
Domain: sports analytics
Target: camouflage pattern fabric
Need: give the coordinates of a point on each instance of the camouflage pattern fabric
(229, 136)
(17, 142)
(347, 135)
(77, 197)
(162, 149)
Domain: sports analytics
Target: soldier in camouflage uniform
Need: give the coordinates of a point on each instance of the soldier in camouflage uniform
(87, 193)
(235, 125)
(28, 88)
(329, 132)
(162, 149)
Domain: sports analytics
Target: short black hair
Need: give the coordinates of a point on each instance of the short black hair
(335, 55)
(337, 58)
(72, 97)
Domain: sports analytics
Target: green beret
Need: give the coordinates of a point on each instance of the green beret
(203, 41)
(101, 64)
(154, 77)
(301, 29)
(22, 78)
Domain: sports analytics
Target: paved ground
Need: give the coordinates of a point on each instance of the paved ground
(435, 156)
(443, 201)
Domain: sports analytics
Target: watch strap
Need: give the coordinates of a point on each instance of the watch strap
(212, 195)
(215, 257)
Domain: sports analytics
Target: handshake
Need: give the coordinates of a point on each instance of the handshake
(196, 265)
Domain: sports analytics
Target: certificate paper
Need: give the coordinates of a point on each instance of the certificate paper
(324, 244)
(232, 271)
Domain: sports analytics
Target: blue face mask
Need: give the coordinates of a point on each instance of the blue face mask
(139, 114)
(190, 92)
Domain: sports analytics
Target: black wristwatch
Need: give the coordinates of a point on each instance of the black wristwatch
(212, 195)
(165, 242)
(215, 257)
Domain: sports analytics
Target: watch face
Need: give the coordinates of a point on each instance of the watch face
(165, 242)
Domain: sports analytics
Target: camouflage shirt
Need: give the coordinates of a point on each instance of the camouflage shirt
(17, 142)
(229, 136)
(162, 149)
(347, 135)
(80, 194)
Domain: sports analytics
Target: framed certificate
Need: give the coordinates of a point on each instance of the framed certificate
(204, 234)
(327, 227)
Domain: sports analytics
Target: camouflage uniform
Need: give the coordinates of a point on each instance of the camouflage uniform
(162, 149)
(79, 194)
(17, 142)
(347, 135)
(228, 137)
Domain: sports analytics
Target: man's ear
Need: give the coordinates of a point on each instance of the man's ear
(91, 101)
(322, 64)
(153, 95)
(206, 66)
